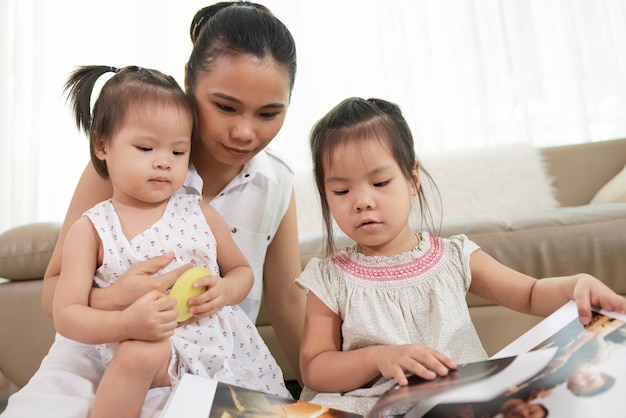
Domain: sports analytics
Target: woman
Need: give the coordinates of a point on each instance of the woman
(240, 75)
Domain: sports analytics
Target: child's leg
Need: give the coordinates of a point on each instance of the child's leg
(136, 367)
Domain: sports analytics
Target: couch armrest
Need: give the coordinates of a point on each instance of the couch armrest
(25, 329)
(571, 166)
(26, 250)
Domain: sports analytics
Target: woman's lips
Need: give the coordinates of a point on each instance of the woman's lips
(236, 152)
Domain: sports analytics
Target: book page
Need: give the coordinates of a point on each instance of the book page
(192, 398)
(579, 371)
(546, 328)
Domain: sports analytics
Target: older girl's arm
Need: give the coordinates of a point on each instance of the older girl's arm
(327, 368)
(512, 289)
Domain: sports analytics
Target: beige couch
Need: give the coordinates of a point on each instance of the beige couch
(577, 237)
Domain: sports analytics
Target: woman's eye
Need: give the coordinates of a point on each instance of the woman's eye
(224, 108)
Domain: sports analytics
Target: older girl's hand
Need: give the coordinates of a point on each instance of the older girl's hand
(590, 292)
(428, 363)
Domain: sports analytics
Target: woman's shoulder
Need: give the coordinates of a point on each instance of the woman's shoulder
(278, 160)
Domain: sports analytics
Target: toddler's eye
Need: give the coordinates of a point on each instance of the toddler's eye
(178, 153)
(381, 183)
(145, 149)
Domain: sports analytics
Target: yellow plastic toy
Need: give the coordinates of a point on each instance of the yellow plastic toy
(183, 290)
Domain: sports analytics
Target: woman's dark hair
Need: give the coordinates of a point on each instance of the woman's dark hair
(235, 28)
(130, 86)
(355, 120)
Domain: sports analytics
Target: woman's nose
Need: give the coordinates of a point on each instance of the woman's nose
(243, 130)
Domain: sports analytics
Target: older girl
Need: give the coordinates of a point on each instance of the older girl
(394, 302)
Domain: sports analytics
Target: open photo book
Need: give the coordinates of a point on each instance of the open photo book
(558, 368)
(199, 397)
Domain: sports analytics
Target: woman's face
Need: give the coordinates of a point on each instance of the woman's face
(241, 103)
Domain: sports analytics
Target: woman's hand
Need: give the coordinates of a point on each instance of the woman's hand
(151, 317)
(590, 292)
(394, 362)
(136, 282)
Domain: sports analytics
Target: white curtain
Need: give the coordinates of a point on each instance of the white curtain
(467, 73)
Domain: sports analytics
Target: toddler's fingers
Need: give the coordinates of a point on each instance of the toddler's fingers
(151, 295)
(206, 281)
(166, 304)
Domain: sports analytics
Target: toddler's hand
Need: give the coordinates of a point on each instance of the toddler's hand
(426, 362)
(210, 301)
(151, 317)
(589, 292)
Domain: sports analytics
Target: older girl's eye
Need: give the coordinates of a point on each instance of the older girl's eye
(179, 153)
(269, 115)
(381, 183)
(340, 192)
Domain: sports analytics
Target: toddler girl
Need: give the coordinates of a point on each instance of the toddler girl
(140, 137)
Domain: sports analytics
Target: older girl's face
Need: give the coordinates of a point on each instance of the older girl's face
(369, 197)
(241, 103)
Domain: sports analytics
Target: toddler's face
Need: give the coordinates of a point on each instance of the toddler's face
(148, 158)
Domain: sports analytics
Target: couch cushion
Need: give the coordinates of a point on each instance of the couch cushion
(26, 250)
(614, 191)
(490, 182)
